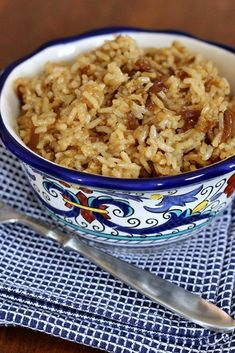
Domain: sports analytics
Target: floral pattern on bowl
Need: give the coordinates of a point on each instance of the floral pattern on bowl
(138, 218)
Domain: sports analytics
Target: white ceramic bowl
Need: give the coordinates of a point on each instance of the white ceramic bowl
(129, 212)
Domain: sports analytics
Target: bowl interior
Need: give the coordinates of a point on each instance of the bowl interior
(67, 49)
(9, 104)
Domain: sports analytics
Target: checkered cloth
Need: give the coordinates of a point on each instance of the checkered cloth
(61, 293)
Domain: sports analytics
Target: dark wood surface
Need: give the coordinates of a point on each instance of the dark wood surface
(21, 340)
(24, 25)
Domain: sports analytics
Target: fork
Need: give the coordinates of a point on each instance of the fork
(173, 297)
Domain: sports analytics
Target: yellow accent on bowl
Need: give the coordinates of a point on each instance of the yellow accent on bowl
(156, 197)
(200, 206)
(86, 207)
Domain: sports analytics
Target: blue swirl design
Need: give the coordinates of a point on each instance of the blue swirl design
(173, 200)
(174, 218)
(124, 206)
(50, 186)
(93, 202)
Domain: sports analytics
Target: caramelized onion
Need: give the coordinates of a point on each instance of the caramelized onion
(190, 117)
(228, 125)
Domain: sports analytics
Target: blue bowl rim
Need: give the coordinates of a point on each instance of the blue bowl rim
(98, 181)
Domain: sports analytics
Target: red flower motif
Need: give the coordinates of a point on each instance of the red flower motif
(230, 188)
(87, 212)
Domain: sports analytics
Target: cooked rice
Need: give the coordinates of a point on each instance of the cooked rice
(123, 111)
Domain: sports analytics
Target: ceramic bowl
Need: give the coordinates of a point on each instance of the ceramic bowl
(127, 212)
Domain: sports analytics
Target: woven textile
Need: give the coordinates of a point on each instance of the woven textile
(63, 294)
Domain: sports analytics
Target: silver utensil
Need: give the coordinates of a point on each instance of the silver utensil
(163, 292)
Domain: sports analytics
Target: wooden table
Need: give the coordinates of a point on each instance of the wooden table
(24, 25)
